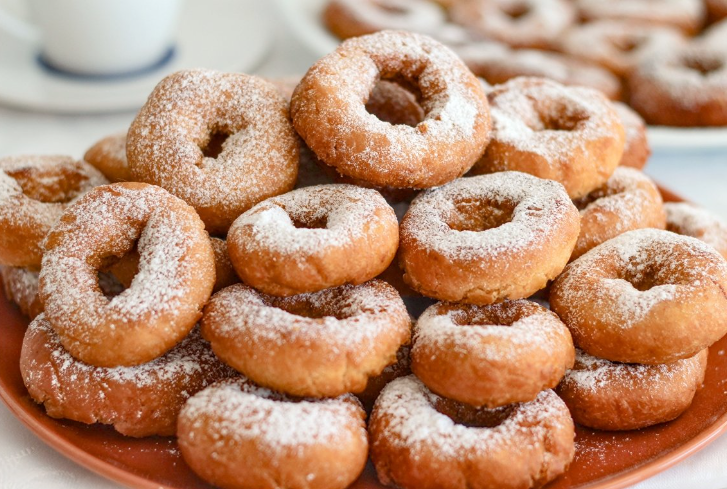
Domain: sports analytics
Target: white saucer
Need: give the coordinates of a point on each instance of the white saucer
(226, 35)
(304, 19)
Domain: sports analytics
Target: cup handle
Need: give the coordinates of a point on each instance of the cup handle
(18, 28)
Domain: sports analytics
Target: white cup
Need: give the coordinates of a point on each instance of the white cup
(99, 37)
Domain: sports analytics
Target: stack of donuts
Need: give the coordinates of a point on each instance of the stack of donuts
(239, 282)
(666, 58)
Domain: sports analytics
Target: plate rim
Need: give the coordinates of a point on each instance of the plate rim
(633, 475)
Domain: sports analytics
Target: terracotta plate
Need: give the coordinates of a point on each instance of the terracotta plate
(603, 460)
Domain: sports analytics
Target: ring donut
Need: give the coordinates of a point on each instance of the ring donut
(490, 355)
(636, 147)
(222, 142)
(237, 435)
(138, 401)
(353, 18)
(518, 23)
(314, 238)
(329, 112)
(483, 239)
(626, 396)
(618, 45)
(498, 63)
(628, 200)
(646, 296)
(320, 345)
(682, 87)
(690, 220)
(34, 192)
(685, 15)
(165, 299)
(422, 441)
(572, 135)
(109, 156)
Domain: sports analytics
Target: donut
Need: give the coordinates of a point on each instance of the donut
(690, 220)
(717, 9)
(34, 192)
(321, 344)
(498, 63)
(138, 401)
(682, 87)
(422, 441)
(685, 15)
(21, 288)
(488, 238)
(490, 355)
(329, 113)
(636, 147)
(619, 45)
(572, 135)
(237, 435)
(627, 396)
(109, 156)
(222, 142)
(314, 238)
(518, 23)
(647, 296)
(628, 200)
(353, 18)
(376, 384)
(165, 299)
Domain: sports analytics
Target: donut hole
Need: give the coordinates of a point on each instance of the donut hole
(641, 278)
(213, 146)
(395, 101)
(390, 7)
(479, 215)
(626, 44)
(320, 222)
(559, 117)
(479, 316)
(309, 308)
(516, 10)
(600, 193)
(56, 186)
(470, 416)
(704, 65)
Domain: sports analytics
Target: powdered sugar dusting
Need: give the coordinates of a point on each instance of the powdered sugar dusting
(593, 374)
(238, 411)
(697, 222)
(410, 15)
(414, 423)
(539, 208)
(481, 331)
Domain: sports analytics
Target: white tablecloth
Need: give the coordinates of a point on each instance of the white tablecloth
(25, 462)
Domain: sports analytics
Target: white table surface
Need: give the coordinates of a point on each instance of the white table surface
(25, 462)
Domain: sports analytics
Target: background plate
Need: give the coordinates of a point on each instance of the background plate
(604, 460)
(304, 19)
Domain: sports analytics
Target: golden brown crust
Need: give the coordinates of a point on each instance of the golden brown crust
(483, 239)
(320, 344)
(636, 149)
(225, 140)
(34, 192)
(138, 401)
(682, 87)
(328, 112)
(314, 238)
(237, 435)
(21, 287)
(497, 64)
(490, 355)
(164, 300)
(519, 23)
(422, 441)
(572, 135)
(690, 220)
(620, 396)
(647, 296)
(628, 200)
(109, 156)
